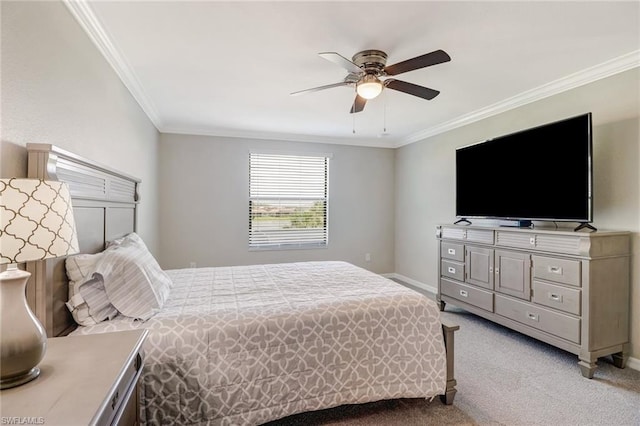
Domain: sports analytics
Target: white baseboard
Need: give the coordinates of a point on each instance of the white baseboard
(632, 363)
(413, 282)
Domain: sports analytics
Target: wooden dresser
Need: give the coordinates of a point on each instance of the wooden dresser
(569, 289)
(84, 380)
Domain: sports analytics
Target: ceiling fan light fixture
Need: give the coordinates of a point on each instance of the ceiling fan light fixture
(369, 86)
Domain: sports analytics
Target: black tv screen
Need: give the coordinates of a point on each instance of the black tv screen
(542, 173)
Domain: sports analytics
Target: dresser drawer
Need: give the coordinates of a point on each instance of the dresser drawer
(480, 236)
(557, 297)
(568, 244)
(453, 233)
(118, 403)
(452, 269)
(468, 294)
(564, 271)
(468, 234)
(452, 251)
(561, 325)
(515, 239)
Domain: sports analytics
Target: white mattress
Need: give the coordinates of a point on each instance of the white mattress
(250, 344)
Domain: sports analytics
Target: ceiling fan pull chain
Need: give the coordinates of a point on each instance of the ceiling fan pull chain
(354, 123)
(384, 123)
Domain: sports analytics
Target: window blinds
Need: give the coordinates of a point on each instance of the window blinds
(288, 201)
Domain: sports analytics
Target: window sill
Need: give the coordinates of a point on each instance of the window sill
(290, 247)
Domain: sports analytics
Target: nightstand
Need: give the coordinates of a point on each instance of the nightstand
(84, 380)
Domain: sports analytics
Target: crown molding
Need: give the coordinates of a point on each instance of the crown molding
(82, 12)
(289, 137)
(580, 78)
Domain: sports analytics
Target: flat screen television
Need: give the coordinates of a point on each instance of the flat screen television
(544, 173)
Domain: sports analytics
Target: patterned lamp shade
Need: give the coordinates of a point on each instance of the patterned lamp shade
(36, 220)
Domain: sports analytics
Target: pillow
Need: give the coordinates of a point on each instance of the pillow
(88, 301)
(133, 280)
(129, 239)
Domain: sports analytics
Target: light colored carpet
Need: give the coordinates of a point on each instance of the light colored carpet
(504, 378)
(396, 412)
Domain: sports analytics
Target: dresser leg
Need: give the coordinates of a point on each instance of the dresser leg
(587, 366)
(620, 358)
(441, 304)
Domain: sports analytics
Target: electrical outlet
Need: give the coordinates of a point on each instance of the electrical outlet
(367, 257)
(192, 264)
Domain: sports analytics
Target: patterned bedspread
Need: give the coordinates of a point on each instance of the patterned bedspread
(250, 344)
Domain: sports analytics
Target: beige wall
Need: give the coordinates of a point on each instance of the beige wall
(57, 88)
(425, 174)
(205, 199)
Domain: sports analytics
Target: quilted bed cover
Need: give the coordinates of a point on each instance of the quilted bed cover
(251, 344)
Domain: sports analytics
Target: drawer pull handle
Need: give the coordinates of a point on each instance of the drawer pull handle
(451, 270)
(114, 401)
(138, 361)
(532, 317)
(555, 270)
(451, 251)
(464, 293)
(555, 297)
(532, 241)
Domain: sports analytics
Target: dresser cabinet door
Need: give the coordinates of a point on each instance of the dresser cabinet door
(479, 266)
(513, 273)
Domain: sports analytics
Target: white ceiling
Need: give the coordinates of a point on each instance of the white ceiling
(227, 68)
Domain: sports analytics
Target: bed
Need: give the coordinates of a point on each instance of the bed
(250, 344)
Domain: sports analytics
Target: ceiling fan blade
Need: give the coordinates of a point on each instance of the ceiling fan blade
(317, 89)
(358, 104)
(433, 58)
(340, 60)
(411, 89)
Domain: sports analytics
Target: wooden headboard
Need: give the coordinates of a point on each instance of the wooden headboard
(104, 206)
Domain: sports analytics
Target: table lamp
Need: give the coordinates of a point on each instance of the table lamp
(36, 223)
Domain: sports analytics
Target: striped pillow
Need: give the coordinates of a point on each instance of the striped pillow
(88, 301)
(133, 280)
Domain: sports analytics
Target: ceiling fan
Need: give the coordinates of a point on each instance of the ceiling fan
(368, 72)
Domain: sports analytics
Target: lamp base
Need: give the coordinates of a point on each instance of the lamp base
(12, 382)
(23, 340)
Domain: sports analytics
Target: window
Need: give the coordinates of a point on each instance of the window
(288, 201)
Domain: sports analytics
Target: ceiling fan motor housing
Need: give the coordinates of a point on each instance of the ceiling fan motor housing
(371, 61)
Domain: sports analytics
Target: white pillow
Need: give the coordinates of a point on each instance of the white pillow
(129, 239)
(88, 301)
(132, 237)
(133, 280)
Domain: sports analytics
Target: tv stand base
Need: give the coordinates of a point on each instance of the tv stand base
(585, 225)
(462, 220)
